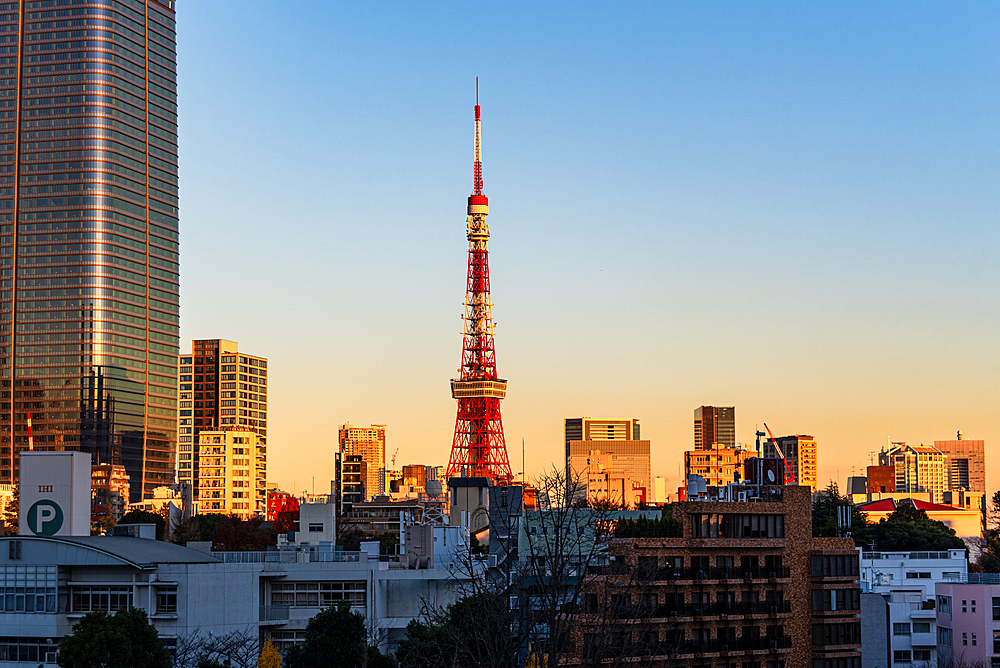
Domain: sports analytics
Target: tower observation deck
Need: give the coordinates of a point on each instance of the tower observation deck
(478, 449)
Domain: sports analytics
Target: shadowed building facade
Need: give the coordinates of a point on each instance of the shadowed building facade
(88, 234)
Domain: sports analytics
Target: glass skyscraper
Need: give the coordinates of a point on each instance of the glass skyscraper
(88, 233)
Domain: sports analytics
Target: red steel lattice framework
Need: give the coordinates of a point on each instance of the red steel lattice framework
(478, 449)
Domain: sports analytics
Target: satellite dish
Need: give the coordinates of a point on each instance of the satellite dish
(433, 488)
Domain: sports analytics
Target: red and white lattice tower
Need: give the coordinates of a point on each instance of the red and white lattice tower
(479, 449)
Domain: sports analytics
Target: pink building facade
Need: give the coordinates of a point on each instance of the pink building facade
(968, 621)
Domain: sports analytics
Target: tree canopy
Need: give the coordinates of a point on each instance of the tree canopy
(824, 513)
(474, 631)
(664, 526)
(123, 640)
(337, 637)
(909, 528)
(226, 532)
(146, 517)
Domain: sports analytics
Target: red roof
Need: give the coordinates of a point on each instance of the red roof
(927, 505)
(880, 505)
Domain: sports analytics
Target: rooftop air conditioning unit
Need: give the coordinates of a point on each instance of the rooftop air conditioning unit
(741, 497)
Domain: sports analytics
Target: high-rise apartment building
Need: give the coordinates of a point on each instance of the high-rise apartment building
(221, 388)
(369, 444)
(714, 426)
(719, 466)
(800, 455)
(607, 457)
(965, 463)
(88, 234)
(233, 473)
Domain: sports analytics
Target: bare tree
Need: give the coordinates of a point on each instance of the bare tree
(238, 649)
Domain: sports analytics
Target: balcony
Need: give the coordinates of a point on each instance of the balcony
(723, 645)
(740, 574)
(923, 639)
(720, 609)
(273, 613)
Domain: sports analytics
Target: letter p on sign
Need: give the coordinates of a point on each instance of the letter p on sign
(45, 518)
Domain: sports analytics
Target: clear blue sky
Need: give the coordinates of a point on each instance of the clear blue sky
(789, 208)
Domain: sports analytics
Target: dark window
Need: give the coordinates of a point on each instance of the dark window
(834, 565)
(166, 601)
(901, 656)
(837, 634)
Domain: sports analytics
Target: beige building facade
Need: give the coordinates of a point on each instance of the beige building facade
(369, 444)
(965, 463)
(718, 467)
(232, 473)
(607, 456)
(219, 388)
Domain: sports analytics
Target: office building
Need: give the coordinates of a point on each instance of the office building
(88, 237)
(746, 584)
(965, 464)
(907, 582)
(800, 455)
(232, 476)
(605, 454)
(220, 388)
(881, 479)
(415, 475)
(918, 468)
(714, 426)
(369, 444)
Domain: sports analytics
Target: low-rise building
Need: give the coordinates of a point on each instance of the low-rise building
(968, 620)
(49, 583)
(907, 581)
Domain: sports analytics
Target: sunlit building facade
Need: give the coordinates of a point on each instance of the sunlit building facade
(221, 388)
(88, 234)
(369, 444)
(233, 473)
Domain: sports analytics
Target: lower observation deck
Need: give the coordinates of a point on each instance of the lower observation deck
(473, 389)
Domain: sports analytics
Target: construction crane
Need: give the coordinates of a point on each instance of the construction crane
(394, 459)
(789, 476)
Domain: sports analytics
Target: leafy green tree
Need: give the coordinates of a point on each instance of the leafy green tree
(337, 637)
(664, 526)
(909, 528)
(123, 640)
(469, 633)
(145, 517)
(824, 513)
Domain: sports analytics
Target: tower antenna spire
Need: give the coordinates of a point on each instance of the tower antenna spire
(479, 449)
(477, 166)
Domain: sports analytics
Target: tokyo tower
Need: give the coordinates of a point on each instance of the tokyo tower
(478, 449)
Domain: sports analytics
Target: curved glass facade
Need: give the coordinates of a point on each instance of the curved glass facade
(89, 299)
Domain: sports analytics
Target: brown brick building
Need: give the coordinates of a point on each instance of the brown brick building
(747, 586)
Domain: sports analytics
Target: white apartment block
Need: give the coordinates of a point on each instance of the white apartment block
(906, 580)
